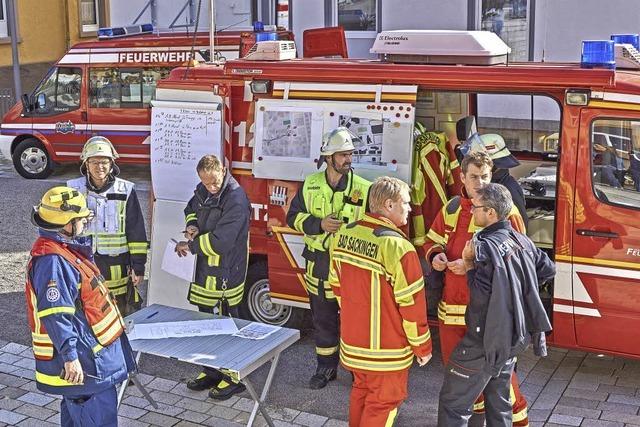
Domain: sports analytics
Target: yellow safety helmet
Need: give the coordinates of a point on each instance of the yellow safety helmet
(59, 206)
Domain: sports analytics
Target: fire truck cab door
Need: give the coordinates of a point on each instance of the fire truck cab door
(606, 232)
(60, 113)
(119, 108)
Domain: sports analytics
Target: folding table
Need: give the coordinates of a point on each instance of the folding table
(237, 357)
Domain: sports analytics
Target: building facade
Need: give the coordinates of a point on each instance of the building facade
(45, 30)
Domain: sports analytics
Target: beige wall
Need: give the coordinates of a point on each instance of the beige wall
(45, 31)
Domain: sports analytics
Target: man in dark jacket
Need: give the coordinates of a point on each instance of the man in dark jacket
(217, 229)
(504, 315)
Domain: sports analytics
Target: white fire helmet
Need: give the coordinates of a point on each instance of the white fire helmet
(98, 146)
(339, 139)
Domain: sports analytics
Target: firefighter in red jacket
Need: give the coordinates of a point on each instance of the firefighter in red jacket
(376, 276)
(452, 228)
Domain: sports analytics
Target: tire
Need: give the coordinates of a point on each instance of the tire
(31, 160)
(257, 305)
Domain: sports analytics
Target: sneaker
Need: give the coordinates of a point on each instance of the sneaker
(202, 382)
(322, 377)
(224, 390)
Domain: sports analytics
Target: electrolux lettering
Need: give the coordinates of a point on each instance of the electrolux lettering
(395, 38)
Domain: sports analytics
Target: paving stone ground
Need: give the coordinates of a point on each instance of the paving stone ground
(22, 404)
(567, 388)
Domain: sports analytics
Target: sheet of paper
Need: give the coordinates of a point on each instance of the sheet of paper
(256, 331)
(183, 329)
(181, 267)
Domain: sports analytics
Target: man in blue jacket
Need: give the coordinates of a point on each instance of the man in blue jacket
(504, 315)
(80, 350)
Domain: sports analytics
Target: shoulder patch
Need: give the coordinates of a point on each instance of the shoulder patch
(53, 294)
(386, 232)
(453, 205)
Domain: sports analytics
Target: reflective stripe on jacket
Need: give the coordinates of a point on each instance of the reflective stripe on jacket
(71, 316)
(451, 229)
(222, 245)
(101, 313)
(109, 207)
(429, 175)
(117, 229)
(315, 200)
(377, 278)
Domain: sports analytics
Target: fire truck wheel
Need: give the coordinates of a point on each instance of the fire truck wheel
(31, 160)
(257, 304)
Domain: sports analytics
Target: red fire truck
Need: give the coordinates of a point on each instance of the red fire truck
(583, 194)
(102, 87)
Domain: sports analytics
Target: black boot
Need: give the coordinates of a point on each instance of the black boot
(225, 389)
(322, 377)
(203, 382)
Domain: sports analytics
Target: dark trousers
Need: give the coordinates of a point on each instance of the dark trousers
(464, 381)
(98, 409)
(212, 372)
(326, 323)
(126, 296)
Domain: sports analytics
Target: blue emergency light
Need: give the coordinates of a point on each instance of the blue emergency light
(632, 39)
(598, 54)
(261, 35)
(113, 32)
(258, 26)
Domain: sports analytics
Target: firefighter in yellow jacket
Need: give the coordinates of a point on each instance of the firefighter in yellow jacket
(377, 279)
(327, 200)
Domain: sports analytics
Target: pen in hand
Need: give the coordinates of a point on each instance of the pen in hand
(62, 375)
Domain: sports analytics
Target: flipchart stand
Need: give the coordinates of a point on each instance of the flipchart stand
(235, 356)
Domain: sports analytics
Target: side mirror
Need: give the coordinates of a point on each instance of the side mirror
(26, 104)
(41, 101)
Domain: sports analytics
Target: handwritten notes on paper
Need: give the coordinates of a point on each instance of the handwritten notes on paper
(179, 138)
(182, 329)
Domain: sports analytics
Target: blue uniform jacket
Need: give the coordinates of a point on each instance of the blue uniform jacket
(71, 334)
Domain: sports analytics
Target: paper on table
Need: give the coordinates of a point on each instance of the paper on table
(181, 267)
(256, 331)
(182, 329)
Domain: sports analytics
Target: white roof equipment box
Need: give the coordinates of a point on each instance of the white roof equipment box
(441, 47)
(272, 50)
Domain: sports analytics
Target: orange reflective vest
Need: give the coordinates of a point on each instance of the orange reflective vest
(95, 301)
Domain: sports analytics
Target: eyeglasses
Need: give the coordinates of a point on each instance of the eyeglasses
(103, 163)
(473, 207)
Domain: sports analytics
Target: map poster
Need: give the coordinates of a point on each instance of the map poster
(369, 138)
(287, 134)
